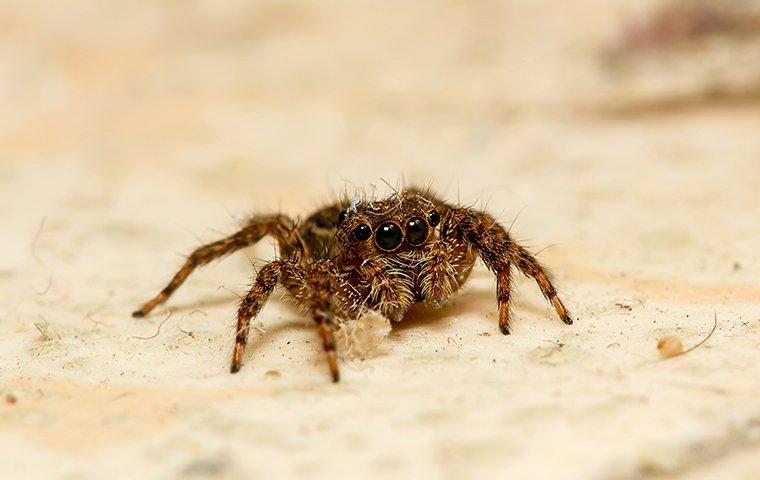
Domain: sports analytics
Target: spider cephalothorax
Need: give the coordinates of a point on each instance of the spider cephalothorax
(383, 255)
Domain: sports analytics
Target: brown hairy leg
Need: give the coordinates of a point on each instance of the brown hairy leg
(279, 226)
(528, 264)
(311, 284)
(503, 286)
(438, 277)
(267, 278)
(498, 251)
(390, 290)
(320, 280)
(328, 342)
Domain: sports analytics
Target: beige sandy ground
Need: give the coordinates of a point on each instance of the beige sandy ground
(131, 133)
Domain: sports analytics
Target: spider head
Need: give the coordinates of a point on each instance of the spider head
(397, 224)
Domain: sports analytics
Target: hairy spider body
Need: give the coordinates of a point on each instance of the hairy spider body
(384, 255)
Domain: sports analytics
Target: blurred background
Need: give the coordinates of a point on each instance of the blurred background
(253, 101)
(289, 89)
(574, 111)
(243, 98)
(625, 133)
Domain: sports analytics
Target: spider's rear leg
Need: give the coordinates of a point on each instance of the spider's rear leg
(279, 226)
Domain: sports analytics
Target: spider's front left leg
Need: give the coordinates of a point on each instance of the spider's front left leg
(319, 280)
(279, 226)
(266, 279)
(309, 284)
(499, 251)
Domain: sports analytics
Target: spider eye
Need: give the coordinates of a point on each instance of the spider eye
(342, 217)
(362, 232)
(434, 218)
(388, 237)
(416, 230)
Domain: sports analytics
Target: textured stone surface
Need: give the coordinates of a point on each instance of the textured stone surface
(132, 132)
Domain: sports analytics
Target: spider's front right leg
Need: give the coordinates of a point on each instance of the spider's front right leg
(279, 226)
(390, 289)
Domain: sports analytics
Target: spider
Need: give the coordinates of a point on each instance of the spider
(383, 255)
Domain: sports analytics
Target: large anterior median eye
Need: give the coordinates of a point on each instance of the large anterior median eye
(362, 232)
(388, 236)
(416, 230)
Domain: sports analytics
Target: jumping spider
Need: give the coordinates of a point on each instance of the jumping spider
(383, 255)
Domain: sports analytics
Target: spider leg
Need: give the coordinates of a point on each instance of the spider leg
(498, 251)
(266, 279)
(390, 288)
(528, 264)
(438, 275)
(322, 310)
(279, 226)
(309, 284)
(503, 286)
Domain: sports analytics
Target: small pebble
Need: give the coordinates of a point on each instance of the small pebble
(670, 346)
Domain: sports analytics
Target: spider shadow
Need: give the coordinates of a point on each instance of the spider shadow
(259, 344)
(481, 301)
(287, 322)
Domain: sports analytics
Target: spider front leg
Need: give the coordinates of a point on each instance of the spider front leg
(267, 278)
(438, 275)
(503, 291)
(280, 226)
(499, 251)
(390, 289)
(310, 285)
(319, 280)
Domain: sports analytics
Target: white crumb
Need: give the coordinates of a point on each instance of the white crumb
(365, 337)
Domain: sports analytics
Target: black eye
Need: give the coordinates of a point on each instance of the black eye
(341, 217)
(416, 230)
(434, 218)
(362, 232)
(388, 237)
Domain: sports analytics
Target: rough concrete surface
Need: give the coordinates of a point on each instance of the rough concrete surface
(133, 132)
